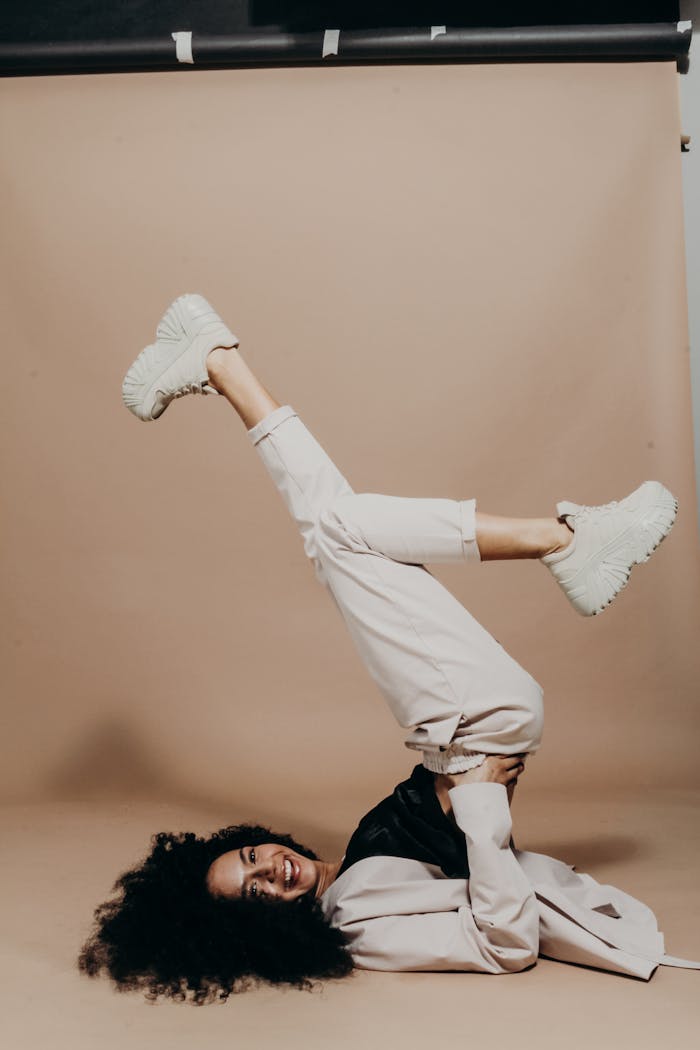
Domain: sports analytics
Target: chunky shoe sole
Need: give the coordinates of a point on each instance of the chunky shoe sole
(190, 325)
(607, 571)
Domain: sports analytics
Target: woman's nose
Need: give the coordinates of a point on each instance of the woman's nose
(267, 871)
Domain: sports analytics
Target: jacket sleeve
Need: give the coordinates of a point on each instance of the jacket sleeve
(497, 932)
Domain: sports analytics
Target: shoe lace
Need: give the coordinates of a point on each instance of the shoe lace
(585, 512)
(191, 388)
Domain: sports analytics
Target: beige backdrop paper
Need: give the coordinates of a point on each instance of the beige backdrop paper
(468, 281)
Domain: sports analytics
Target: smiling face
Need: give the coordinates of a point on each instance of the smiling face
(270, 871)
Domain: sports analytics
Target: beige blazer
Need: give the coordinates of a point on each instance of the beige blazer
(400, 914)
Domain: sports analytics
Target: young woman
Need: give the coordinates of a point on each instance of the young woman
(431, 878)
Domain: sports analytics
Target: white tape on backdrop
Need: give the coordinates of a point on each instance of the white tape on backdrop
(330, 42)
(437, 31)
(183, 47)
(683, 27)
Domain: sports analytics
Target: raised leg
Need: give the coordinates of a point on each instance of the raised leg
(419, 531)
(195, 352)
(443, 675)
(393, 524)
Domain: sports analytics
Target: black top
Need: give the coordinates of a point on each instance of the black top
(410, 823)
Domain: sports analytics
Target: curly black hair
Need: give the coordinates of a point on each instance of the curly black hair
(166, 935)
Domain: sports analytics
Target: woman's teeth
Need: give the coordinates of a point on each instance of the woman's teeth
(288, 873)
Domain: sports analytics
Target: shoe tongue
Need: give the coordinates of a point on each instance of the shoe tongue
(565, 507)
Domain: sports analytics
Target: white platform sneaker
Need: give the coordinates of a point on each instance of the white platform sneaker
(175, 364)
(607, 542)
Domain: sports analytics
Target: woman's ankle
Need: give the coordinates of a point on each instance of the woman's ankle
(500, 538)
(560, 538)
(220, 362)
(230, 376)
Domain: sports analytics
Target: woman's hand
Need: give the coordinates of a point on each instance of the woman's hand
(503, 769)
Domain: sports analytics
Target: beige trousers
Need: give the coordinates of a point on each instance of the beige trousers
(444, 676)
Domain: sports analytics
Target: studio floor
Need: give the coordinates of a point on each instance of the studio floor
(60, 859)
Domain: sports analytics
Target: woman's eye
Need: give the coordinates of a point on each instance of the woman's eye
(252, 856)
(254, 890)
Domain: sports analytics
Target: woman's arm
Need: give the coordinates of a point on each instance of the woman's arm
(507, 774)
(498, 932)
(502, 899)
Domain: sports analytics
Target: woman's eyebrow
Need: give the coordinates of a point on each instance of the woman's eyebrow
(243, 889)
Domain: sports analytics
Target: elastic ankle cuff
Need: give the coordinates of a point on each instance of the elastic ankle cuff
(452, 761)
